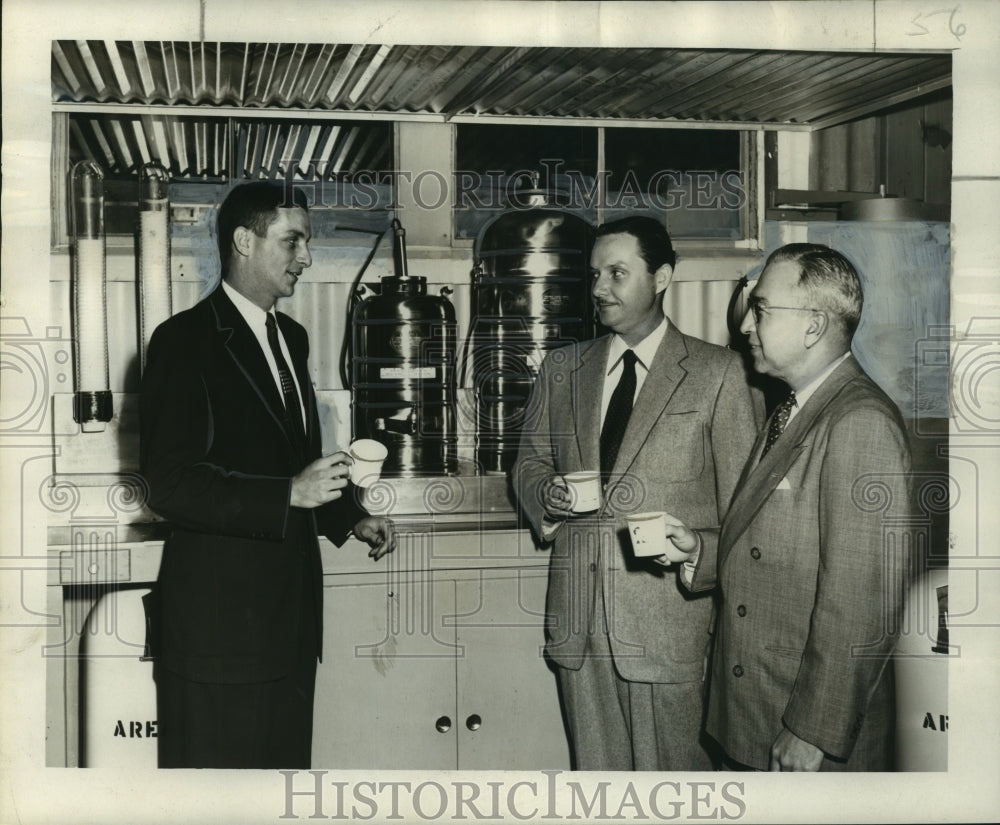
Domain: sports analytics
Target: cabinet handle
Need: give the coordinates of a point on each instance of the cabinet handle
(474, 722)
(443, 724)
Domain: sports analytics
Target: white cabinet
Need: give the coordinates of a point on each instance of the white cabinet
(387, 676)
(504, 684)
(431, 659)
(437, 669)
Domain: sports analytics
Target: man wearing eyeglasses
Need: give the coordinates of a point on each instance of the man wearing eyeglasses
(810, 593)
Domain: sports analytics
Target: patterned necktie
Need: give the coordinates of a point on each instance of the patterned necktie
(616, 419)
(293, 409)
(778, 422)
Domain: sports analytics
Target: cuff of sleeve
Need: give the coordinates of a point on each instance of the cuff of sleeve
(550, 528)
(688, 567)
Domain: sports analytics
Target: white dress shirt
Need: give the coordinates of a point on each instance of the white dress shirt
(803, 395)
(644, 351)
(256, 318)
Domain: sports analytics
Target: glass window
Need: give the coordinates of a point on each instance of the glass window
(693, 178)
(495, 165)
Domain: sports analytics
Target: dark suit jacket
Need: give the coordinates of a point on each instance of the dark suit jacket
(811, 582)
(219, 464)
(689, 434)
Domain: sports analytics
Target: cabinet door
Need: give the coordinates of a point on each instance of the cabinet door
(508, 704)
(385, 690)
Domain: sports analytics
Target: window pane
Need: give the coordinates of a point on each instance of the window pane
(691, 178)
(494, 162)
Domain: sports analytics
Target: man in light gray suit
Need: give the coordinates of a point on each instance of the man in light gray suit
(669, 421)
(811, 592)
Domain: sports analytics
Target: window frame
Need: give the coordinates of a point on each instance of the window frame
(752, 158)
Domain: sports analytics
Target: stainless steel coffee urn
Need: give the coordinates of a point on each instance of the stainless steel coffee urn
(530, 294)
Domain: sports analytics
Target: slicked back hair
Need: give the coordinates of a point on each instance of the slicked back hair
(253, 205)
(655, 247)
(830, 279)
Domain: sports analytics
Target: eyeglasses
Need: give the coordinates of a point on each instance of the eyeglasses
(758, 308)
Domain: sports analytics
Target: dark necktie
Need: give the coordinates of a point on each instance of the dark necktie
(293, 409)
(778, 422)
(616, 419)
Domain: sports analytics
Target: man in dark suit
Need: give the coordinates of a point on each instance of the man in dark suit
(230, 448)
(669, 421)
(811, 591)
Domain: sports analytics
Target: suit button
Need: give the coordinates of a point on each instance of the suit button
(737, 671)
(741, 611)
(755, 552)
(593, 567)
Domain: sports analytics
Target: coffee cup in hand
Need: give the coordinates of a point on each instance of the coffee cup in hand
(648, 532)
(584, 490)
(367, 455)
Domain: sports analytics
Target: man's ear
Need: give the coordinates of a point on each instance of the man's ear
(663, 276)
(819, 323)
(242, 240)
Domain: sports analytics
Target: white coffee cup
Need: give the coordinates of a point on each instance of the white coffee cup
(368, 456)
(584, 490)
(648, 532)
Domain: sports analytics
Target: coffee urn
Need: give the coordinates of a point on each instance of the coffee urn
(403, 371)
(530, 294)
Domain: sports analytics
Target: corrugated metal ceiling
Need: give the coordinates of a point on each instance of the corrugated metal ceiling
(212, 148)
(612, 84)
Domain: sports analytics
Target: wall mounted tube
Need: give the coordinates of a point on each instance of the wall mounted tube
(155, 305)
(92, 404)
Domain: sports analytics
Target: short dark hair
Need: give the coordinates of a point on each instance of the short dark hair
(253, 205)
(655, 247)
(830, 279)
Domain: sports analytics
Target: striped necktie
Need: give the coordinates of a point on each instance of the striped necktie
(293, 408)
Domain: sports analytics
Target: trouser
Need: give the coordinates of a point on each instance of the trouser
(618, 725)
(255, 725)
(247, 725)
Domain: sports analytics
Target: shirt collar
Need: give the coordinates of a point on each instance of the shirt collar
(803, 395)
(255, 317)
(645, 350)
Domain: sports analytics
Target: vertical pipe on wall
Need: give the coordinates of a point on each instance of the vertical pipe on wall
(154, 253)
(92, 404)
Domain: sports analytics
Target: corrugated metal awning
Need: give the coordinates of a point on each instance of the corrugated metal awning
(614, 84)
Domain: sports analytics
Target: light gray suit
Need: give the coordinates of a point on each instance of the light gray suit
(811, 583)
(689, 434)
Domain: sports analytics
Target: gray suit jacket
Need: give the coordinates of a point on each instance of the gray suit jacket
(811, 582)
(690, 432)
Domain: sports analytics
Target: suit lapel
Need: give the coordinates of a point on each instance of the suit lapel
(662, 381)
(588, 384)
(762, 476)
(239, 341)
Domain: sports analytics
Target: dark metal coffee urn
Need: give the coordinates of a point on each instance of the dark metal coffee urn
(403, 372)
